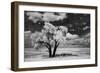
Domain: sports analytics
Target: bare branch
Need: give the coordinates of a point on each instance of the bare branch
(47, 44)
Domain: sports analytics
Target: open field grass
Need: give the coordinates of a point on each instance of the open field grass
(31, 54)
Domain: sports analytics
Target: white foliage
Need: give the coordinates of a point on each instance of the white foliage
(58, 35)
(49, 33)
(49, 27)
(63, 28)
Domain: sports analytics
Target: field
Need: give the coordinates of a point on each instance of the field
(68, 50)
(61, 54)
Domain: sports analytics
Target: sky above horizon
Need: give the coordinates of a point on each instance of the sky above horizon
(75, 22)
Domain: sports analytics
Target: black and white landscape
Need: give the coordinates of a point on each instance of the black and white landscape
(56, 36)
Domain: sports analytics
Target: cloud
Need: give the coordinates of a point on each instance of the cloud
(34, 16)
(47, 16)
(52, 17)
(62, 16)
(72, 36)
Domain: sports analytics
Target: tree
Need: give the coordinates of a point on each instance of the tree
(50, 37)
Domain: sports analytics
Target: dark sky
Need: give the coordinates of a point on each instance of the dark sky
(77, 23)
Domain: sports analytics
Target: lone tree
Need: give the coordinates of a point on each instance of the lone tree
(50, 37)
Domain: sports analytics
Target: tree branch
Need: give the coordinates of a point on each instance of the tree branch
(47, 44)
(56, 43)
(44, 43)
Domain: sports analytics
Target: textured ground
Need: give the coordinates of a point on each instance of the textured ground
(31, 54)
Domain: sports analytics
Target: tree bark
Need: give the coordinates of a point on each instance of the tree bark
(49, 48)
(54, 52)
(55, 48)
(50, 52)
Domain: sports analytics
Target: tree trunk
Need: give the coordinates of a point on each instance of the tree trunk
(49, 48)
(54, 51)
(55, 48)
(50, 52)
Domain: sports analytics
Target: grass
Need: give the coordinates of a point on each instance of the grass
(61, 54)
